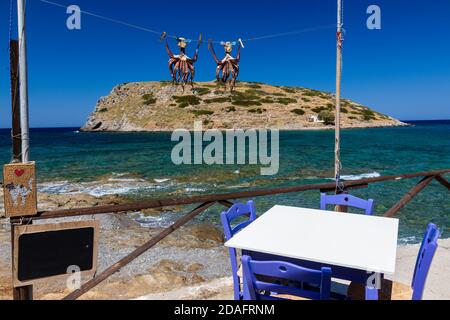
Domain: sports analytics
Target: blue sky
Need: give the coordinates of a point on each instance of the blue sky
(402, 70)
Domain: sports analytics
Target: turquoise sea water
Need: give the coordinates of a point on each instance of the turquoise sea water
(138, 165)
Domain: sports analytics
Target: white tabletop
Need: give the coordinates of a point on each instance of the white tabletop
(349, 240)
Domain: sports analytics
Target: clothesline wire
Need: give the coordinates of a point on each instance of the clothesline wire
(134, 26)
(141, 28)
(285, 34)
(10, 18)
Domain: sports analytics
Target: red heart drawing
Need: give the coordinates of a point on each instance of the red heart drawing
(19, 173)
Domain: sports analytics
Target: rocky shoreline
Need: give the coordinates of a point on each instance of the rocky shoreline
(190, 264)
(191, 256)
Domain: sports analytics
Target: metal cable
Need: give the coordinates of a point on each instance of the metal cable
(130, 25)
(284, 34)
(137, 27)
(10, 18)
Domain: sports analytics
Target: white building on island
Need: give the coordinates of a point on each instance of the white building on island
(315, 119)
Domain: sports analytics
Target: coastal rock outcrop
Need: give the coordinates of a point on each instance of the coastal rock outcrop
(160, 106)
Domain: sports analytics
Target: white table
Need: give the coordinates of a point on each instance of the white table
(353, 241)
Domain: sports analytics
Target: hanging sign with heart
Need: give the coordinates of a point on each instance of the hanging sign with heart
(19, 172)
(19, 189)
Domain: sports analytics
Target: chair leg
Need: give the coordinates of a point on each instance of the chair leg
(389, 291)
(371, 293)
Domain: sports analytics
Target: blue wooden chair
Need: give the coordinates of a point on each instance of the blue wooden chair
(237, 211)
(424, 260)
(255, 271)
(397, 291)
(346, 200)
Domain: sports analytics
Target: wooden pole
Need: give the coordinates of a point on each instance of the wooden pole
(409, 196)
(23, 78)
(337, 161)
(25, 292)
(15, 103)
(19, 293)
(137, 253)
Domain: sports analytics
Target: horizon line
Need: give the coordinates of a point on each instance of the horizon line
(79, 127)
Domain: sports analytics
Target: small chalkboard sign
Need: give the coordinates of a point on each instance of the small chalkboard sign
(48, 251)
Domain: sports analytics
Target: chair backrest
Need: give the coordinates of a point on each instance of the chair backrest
(346, 200)
(424, 260)
(235, 212)
(254, 271)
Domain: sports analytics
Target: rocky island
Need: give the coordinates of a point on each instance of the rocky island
(161, 106)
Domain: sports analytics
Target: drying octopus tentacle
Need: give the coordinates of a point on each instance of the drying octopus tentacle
(176, 71)
(227, 69)
(172, 63)
(181, 67)
(235, 74)
(238, 57)
(192, 69)
(169, 52)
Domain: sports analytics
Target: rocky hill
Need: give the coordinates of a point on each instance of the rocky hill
(160, 106)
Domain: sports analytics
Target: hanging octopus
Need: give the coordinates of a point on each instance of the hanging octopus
(181, 66)
(227, 68)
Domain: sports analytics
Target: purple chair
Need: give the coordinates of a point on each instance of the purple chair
(423, 263)
(424, 260)
(235, 212)
(253, 286)
(346, 200)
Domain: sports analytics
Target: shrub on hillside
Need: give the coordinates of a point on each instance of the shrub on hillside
(312, 93)
(202, 91)
(185, 101)
(318, 110)
(149, 99)
(258, 111)
(327, 117)
(286, 101)
(368, 115)
(298, 112)
(198, 113)
(289, 89)
(245, 99)
(254, 85)
(218, 100)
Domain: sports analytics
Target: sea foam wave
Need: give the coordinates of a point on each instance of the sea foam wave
(193, 189)
(161, 180)
(161, 221)
(408, 240)
(111, 186)
(359, 176)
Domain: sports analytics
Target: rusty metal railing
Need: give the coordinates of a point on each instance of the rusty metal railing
(208, 201)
